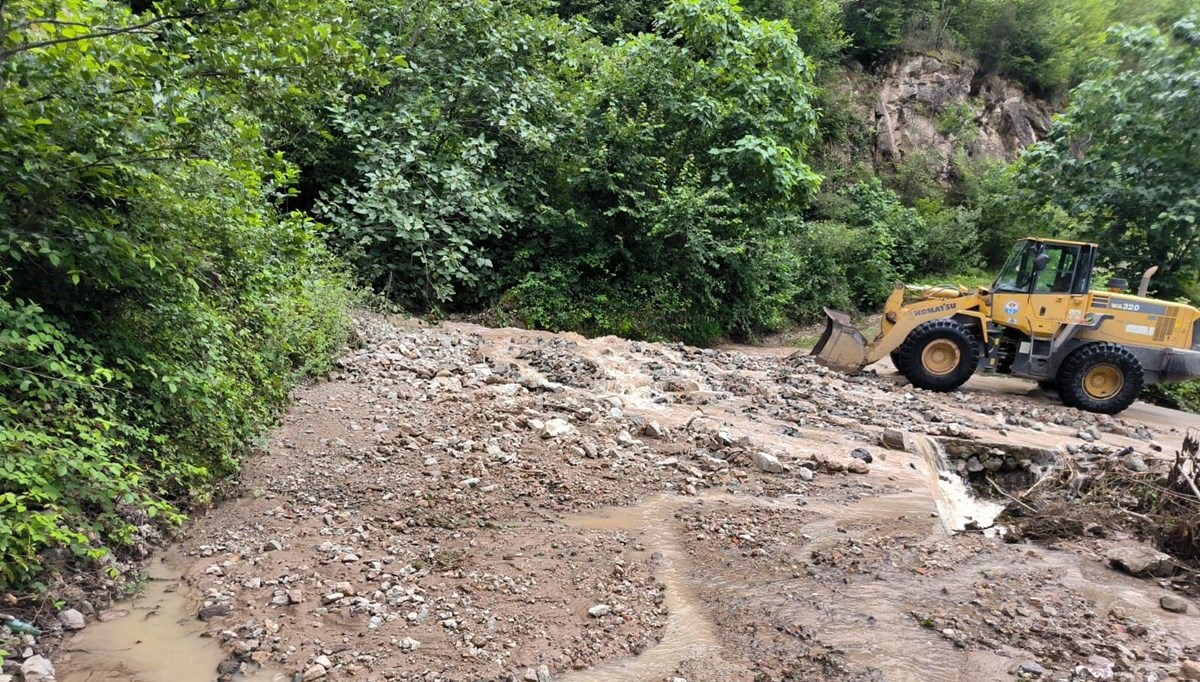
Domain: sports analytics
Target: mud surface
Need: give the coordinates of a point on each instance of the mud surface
(462, 503)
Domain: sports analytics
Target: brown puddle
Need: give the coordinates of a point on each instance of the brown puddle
(159, 641)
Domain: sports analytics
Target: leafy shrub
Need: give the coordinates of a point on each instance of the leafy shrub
(155, 305)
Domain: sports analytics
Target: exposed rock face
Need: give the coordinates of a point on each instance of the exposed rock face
(926, 105)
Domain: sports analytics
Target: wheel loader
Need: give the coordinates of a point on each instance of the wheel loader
(1041, 320)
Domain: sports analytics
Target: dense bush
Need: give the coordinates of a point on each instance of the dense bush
(591, 173)
(155, 306)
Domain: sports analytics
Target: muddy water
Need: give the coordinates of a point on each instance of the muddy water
(690, 634)
(957, 507)
(159, 641)
(853, 621)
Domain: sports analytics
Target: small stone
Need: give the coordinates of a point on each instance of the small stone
(295, 597)
(324, 662)
(1136, 464)
(37, 669)
(111, 614)
(858, 466)
(805, 473)
(315, 672)
(1033, 669)
(543, 673)
(653, 430)
(1190, 670)
(273, 546)
(859, 453)
(599, 610)
(409, 644)
(893, 439)
(215, 611)
(766, 462)
(72, 620)
(1173, 604)
(556, 427)
(1140, 561)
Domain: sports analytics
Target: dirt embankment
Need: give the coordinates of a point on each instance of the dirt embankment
(460, 503)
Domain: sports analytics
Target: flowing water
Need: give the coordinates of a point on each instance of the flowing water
(957, 507)
(690, 633)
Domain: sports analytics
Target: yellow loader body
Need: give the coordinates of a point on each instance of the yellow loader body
(1041, 320)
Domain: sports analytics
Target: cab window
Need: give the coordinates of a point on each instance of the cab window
(1058, 277)
(1017, 272)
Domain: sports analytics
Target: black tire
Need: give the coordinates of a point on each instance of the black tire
(1078, 376)
(1048, 385)
(959, 366)
(895, 356)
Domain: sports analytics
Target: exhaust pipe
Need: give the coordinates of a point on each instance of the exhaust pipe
(1145, 285)
(841, 347)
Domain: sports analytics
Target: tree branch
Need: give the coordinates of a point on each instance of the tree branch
(101, 33)
(106, 31)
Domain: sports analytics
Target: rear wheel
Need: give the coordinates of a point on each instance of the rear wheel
(939, 355)
(895, 356)
(1100, 377)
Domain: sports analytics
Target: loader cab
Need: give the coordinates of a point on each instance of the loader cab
(1043, 284)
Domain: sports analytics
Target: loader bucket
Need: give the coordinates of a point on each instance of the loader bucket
(842, 347)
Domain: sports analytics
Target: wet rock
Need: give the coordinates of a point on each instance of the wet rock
(1173, 604)
(1033, 668)
(229, 666)
(858, 466)
(215, 611)
(859, 453)
(1140, 561)
(72, 620)
(37, 669)
(599, 610)
(893, 439)
(111, 615)
(767, 462)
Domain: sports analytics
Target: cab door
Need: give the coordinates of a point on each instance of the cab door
(1060, 288)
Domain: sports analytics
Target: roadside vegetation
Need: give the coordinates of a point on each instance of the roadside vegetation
(194, 190)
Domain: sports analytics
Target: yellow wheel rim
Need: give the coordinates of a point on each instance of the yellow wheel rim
(1103, 381)
(940, 357)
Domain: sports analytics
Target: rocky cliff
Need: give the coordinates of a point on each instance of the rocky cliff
(941, 109)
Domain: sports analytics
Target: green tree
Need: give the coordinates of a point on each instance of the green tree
(1124, 159)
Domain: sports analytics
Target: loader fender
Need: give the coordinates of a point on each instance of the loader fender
(913, 316)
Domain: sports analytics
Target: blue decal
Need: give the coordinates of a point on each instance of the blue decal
(1011, 308)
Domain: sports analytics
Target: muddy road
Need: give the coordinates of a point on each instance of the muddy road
(462, 503)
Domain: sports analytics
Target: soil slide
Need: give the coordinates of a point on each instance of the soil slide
(464, 503)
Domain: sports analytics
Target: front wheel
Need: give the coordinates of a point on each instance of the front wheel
(939, 355)
(1100, 377)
